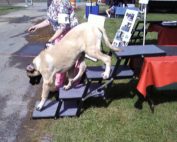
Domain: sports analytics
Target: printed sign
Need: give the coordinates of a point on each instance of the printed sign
(63, 18)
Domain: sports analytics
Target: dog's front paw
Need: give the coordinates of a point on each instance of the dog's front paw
(39, 106)
(66, 87)
(105, 75)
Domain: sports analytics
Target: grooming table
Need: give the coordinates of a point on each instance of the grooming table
(49, 110)
(141, 51)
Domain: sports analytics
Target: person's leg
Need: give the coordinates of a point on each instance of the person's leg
(113, 10)
(31, 2)
(108, 12)
(60, 78)
(26, 3)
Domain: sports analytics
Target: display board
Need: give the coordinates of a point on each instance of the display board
(123, 34)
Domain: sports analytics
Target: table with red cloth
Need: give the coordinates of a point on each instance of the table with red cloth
(167, 35)
(157, 71)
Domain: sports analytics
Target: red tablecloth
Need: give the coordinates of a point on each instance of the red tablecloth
(166, 35)
(157, 71)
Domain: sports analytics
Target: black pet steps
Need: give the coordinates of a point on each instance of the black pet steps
(49, 110)
(69, 102)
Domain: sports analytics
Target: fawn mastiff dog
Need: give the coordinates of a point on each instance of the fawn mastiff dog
(82, 39)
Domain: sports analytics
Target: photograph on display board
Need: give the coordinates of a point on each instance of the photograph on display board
(121, 39)
(123, 35)
(126, 27)
(129, 20)
(119, 35)
(127, 37)
(130, 16)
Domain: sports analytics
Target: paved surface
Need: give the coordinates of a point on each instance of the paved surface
(17, 96)
(15, 91)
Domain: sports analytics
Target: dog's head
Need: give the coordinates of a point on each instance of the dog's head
(33, 74)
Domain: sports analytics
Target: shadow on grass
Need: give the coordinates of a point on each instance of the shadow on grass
(164, 94)
(156, 96)
(128, 90)
(116, 92)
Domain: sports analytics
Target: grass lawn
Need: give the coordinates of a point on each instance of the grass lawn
(7, 9)
(119, 120)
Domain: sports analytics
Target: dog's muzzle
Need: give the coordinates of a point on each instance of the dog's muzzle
(34, 78)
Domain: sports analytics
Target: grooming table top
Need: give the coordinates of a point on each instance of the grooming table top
(140, 50)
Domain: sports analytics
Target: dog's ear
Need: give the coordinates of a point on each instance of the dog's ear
(30, 68)
(35, 80)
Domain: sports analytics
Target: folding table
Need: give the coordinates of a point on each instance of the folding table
(120, 11)
(158, 72)
(166, 34)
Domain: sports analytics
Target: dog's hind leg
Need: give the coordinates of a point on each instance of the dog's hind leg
(82, 68)
(71, 80)
(104, 58)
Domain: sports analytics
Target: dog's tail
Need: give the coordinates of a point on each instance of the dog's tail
(106, 39)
